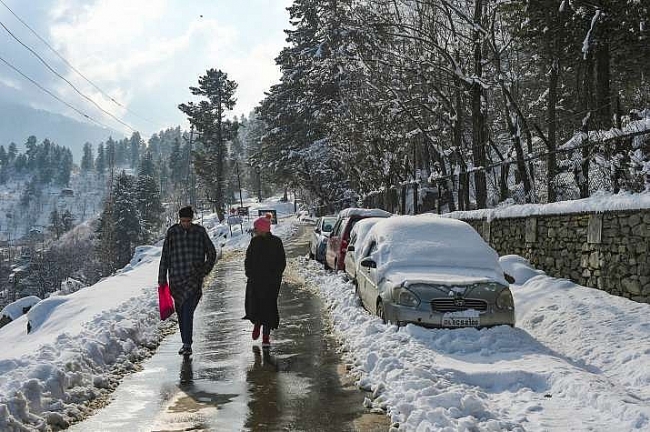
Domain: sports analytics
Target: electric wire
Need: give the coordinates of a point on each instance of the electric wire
(106, 95)
(56, 97)
(64, 79)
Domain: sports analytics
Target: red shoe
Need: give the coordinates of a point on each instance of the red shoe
(256, 331)
(266, 341)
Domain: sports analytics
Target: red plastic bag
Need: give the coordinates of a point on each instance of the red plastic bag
(165, 301)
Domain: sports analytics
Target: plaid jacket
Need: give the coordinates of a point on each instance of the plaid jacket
(188, 256)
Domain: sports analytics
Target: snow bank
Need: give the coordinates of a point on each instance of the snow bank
(599, 202)
(17, 308)
(577, 361)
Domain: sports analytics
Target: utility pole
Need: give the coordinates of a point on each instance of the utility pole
(190, 170)
(241, 201)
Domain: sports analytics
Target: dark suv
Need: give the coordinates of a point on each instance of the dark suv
(337, 244)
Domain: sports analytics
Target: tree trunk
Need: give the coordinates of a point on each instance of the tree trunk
(551, 144)
(478, 117)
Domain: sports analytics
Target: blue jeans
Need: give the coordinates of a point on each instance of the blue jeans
(186, 318)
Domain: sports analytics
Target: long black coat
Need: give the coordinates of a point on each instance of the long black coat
(264, 264)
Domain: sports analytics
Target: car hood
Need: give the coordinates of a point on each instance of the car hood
(451, 276)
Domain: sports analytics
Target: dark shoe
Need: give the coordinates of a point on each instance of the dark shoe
(256, 331)
(185, 350)
(266, 341)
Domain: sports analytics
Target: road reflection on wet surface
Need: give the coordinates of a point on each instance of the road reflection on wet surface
(230, 383)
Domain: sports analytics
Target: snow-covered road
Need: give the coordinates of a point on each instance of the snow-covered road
(577, 360)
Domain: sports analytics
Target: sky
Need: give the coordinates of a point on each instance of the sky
(577, 358)
(144, 54)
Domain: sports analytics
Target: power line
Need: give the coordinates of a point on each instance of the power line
(64, 79)
(56, 97)
(106, 95)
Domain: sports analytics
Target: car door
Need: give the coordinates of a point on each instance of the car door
(333, 243)
(315, 236)
(365, 279)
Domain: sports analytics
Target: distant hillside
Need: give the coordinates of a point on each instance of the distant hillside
(17, 122)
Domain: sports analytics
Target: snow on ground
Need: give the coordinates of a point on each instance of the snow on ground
(600, 201)
(577, 360)
(79, 345)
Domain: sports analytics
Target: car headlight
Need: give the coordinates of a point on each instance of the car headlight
(504, 300)
(404, 297)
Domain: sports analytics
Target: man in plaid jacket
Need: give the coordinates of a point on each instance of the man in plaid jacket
(188, 255)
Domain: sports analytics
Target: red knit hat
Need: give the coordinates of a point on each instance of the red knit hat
(262, 224)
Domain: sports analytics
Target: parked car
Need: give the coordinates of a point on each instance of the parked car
(318, 238)
(432, 271)
(338, 242)
(357, 236)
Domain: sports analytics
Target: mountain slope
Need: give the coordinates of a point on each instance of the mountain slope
(17, 122)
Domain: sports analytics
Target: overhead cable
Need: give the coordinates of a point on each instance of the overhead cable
(64, 79)
(56, 97)
(106, 95)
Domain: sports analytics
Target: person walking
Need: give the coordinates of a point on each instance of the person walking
(264, 264)
(188, 255)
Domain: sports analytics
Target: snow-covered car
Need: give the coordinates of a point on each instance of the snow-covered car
(357, 236)
(432, 271)
(337, 244)
(318, 238)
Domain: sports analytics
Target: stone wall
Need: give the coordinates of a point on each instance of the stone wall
(608, 251)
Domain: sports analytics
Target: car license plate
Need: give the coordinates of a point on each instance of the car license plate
(460, 321)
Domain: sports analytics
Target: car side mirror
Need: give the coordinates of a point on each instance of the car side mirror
(316, 230)
(351, 248)
(368, 263)
(509, 278)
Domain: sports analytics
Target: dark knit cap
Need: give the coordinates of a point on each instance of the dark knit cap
(186, 212)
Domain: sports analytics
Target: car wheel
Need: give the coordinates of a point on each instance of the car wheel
(325, 266)
(380, 312)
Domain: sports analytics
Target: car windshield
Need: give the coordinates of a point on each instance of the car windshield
(328, 224)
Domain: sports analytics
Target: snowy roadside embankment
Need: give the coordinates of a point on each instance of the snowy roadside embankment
(78, 346)
(559, 369)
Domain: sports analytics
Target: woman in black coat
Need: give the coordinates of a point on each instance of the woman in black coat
(264, 264)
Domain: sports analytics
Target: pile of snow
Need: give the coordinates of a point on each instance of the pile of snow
(600, 201)
(577, 361)
(19, 307)
(519, 268)
(79, 346)
(70, 285)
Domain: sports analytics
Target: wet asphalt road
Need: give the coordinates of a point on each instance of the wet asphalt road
(230, 383)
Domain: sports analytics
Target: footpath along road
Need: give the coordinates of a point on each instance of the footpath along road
(230, 384)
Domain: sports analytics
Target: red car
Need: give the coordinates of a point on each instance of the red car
(337, 244)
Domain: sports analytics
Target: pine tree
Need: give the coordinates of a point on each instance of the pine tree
(67, 221)
(56, 227)
(13, 151)
(208, 118)
(100, 162)
(148, 201)
(106, 246)
(135, 144)
(127, 228)
(87, 158)
(64, 168)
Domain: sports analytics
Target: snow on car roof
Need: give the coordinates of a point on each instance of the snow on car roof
(431, 241)
(362, 227)
(354, 211)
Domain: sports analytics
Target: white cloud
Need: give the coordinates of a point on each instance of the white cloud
(146, 54)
